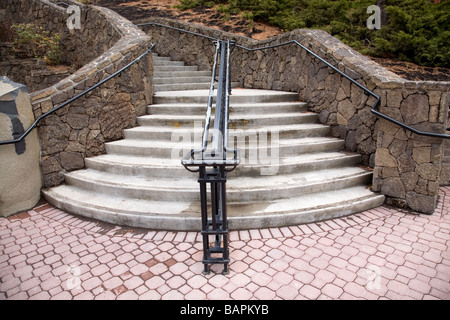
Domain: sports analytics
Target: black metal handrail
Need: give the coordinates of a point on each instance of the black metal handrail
(366, 90)
(23, 136)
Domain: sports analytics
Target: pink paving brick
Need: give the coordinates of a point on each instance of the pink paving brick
(328, 260)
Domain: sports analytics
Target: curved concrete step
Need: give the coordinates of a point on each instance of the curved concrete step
(167, 62)
(250, 151)
(167, 68)
(236, 120)
(168, 133)
(235, 108)
(150, 166)
(174, 80)
(239, 189)
(171, 215)
(238, 95)
(169, 74)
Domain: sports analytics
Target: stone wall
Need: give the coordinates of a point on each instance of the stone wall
(79, 47)
(105, 43)
(445, 166)
(20, 187)
(407, 167)
(33, 73)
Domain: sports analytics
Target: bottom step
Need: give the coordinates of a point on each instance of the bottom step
(185, 216)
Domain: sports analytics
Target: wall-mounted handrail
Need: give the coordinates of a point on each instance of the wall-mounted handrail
(366, 90)
(23, 136)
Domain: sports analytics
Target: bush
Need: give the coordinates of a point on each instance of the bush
(417, 30)
(34, 42)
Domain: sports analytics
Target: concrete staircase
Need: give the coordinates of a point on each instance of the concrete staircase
(291, 170)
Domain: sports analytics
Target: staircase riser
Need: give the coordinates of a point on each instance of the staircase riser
(200, 110)
(275, 168)
(176, 74)
(235, 122)
(239, 195)
(182, 80)
(294, 218)
(170, 134)
(167, 63)
(233, 98)
(191, 223)
(246, 152)
(187, 86)
(244, 169)
(158, 69)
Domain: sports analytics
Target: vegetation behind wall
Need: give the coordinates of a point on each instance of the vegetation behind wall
(415, 30)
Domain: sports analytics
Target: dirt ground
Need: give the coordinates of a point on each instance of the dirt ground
(135, 10)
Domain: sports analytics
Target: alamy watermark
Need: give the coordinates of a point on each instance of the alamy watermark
(373, 274)
(257, 146)
(74, 20)
(74, 281)
(374, 21)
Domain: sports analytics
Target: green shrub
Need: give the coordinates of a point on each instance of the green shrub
(35, 42)
(417, 30)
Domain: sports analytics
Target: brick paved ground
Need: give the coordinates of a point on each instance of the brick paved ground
(382, 253)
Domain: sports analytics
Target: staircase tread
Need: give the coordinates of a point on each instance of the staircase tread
(232, 104)
(118, 160)
(235, 92)
(146, 160)
(279, 128)
(232, 116)
(237, 184)
(165, 144)
(148, 208)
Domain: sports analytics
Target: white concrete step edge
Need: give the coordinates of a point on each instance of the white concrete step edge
(185, 216)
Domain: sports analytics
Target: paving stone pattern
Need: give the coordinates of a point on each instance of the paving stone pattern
(384, 253)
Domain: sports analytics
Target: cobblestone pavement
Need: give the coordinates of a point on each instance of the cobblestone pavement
(384, 253)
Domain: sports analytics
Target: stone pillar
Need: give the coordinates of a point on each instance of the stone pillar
(20, 173)
(407, 166)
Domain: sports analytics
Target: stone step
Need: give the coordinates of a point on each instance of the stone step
(187, 86)
(236, 121)
(178, 74)
(235, 108)
(249, 150)
(252, 163)
(183, 80)
(311, 156)
(184, 215)
(238, 189)
(297, 131)
(169, 63)
(238, 96)
(158, 69)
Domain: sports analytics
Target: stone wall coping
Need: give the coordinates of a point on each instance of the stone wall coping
(131, 39)
(52, 3)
